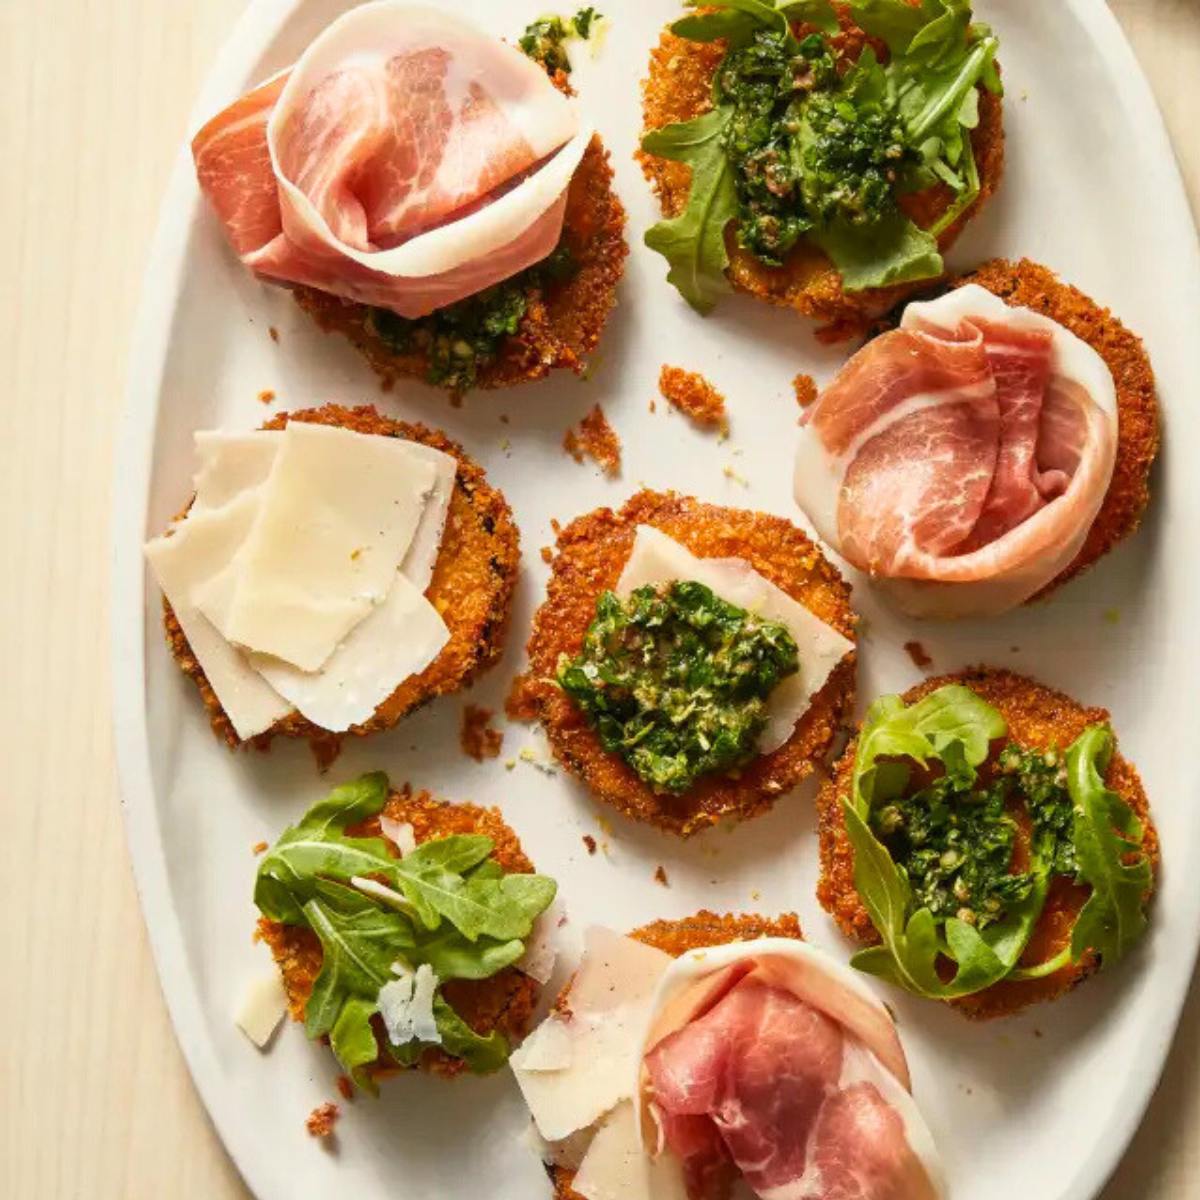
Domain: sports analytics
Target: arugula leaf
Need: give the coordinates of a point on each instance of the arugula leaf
(359, 943)
(352, 1040)
(694, 241)
(1106, 832)
(891, 729)
(481, 1054)
(501, 907)
(735, 20)
(318, 847)
(818, 13)
(892, 250)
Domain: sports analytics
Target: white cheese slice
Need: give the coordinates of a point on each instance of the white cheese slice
(400, 833)
(658, 559)
(263, 1007)
(231, 463)
(597, 1044)
(338, 513)
(616, 1167)
(422, 553)
(406, 1006)
(196, 551)
(541, 946)
(398, 639)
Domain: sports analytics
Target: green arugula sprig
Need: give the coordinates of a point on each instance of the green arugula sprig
(954, 728)
(459, 912)
(906, 123)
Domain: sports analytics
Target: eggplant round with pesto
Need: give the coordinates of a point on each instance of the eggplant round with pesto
(402, 926)
(690, 663)
(819, 156)
(988, 841)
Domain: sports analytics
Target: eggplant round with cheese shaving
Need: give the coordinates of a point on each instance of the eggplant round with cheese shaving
(455, 576)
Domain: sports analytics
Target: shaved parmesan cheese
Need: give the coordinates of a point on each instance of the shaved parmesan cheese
(406, 1006)
(381, 891)
(231, 464)
(615, 1166)
(597, 1045)
(197, 550)
(400, 833)
(338, 513)
(541, 946)
(422, 553)
(658, 559)
(263, 1007)
(400, 638)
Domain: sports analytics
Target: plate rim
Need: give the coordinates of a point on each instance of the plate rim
(246, 42)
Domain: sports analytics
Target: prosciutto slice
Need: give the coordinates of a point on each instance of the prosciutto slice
(770, 1066)
(406, 161)
(961, 459)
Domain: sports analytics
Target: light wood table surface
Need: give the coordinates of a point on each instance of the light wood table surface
(95, 1101)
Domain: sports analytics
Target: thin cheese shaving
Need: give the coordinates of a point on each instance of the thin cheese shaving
(263, 1007)
(406, 1006)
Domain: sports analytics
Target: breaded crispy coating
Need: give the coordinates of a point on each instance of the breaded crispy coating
(679, 88)
(504, 1002)
(1038, 718)
(1033, 286)
(596, 439)
(563, 321)
(696, 932)
(472, 589)
(591, 553)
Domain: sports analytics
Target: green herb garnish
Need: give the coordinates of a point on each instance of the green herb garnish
(676, 681)
(463, 337)
(802, 144)
(545, 40)
(460, 914)
(934, 865)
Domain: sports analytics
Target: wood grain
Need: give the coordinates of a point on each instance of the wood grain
(94, 1098)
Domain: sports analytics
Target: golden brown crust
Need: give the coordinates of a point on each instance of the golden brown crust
(504, 1002)
(1031, 285)
(679, 88)
(591, 553)
(472, 588)
(694, 396)
(563, 323)
(1038, 717)
(696, 932)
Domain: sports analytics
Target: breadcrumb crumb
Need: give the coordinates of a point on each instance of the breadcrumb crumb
(260, 847)
(547, 553)
(476, 736)
(273, 332)
(805, 387)
(694, 396)
(660, 875)
(596, 439)
(345, 1087)
(590, 843)
(266, 396)
(918, 654)
(322, 1119)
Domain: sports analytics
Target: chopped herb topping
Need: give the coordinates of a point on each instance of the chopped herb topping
(675, 681)
(545, 40)
(463, 337)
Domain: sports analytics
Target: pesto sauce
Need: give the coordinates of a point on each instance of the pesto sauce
(545, 40)
(809, 148)
(675, 681)
(954, 838)
(463, 337)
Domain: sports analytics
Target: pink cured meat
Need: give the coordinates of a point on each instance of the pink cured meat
(962, 457)
(368, 170)
(764, 1085)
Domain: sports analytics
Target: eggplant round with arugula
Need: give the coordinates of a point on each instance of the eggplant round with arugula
(986, 838)
(819, 155)
(404, 929)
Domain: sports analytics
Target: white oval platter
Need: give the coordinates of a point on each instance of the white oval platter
(1038, 1106)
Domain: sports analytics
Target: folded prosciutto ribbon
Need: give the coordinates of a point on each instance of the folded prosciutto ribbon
(764, 1063)
(406, 161)
(961, 459)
